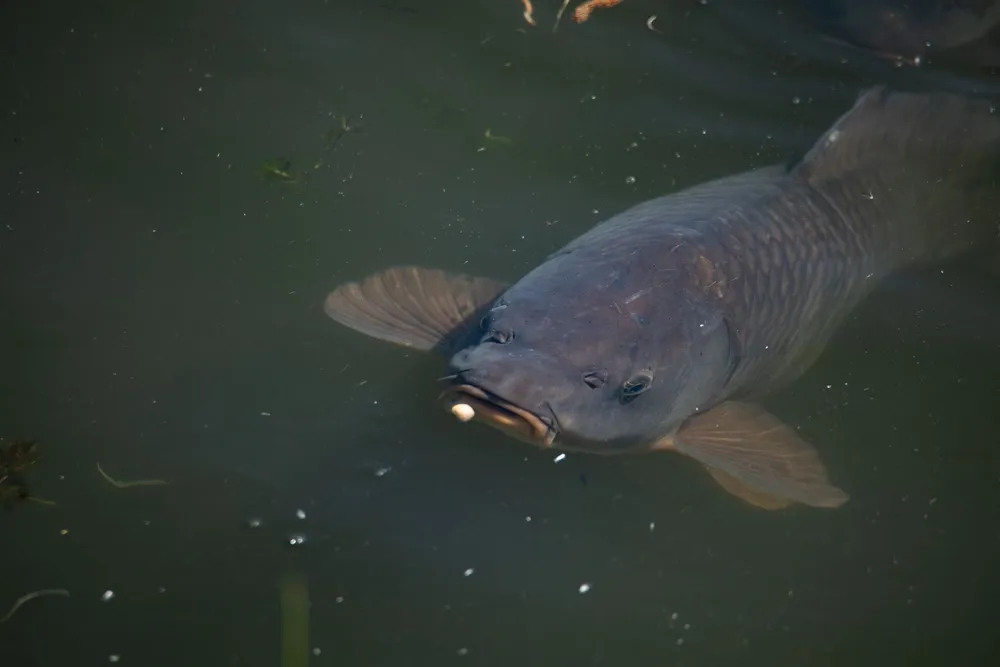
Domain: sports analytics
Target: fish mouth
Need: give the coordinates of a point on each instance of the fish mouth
(468, 402)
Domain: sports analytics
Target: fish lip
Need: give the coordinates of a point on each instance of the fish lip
(543, 430)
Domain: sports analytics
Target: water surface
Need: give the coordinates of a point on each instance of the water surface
(162, 316)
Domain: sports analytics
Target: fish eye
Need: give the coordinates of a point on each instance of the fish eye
(634, 386)
(595, 379)
(501, 336)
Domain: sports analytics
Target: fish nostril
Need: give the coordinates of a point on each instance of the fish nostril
(461, 359)
(595, 379)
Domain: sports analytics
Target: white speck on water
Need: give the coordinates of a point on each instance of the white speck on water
(680, 641)
(527, 519)
(382, 472)
(300, 514)
(673, 616)
(265, 414)
(559, 458)
(316, 651)
(339, 599)
(463, 651)
(629, 180)
(796, 100)
(296, 540)
(652, 526)
(468, 571)
(253, 523)
(687, 626)
(584, 588)
(161, 590)
(114, 657)
(108, 596)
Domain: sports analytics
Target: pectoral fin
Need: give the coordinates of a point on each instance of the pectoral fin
(412, 306)
(756, 457)
(747, 493)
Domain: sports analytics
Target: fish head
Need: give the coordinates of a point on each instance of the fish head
(573, 369)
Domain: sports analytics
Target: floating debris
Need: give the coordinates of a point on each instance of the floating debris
(108, 596)
(294, 597)
(584, 588)
(528, 9)
(15, 458)
(489, 136)
(583, 12)
(124, 485)
(31, 596)
(559, 14)
(278, 169)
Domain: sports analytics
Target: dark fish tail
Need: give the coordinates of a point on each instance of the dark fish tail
(928, 163)
(900, 179)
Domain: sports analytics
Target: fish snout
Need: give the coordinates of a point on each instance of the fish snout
(486, 388)
(532, 380)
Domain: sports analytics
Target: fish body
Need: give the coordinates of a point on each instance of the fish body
(662, 327)
(911, 30)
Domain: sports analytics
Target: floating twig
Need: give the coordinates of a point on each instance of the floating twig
(294, 620)
(528, 9)
(555, 26)
(488, 135)
(31, 596)
(582, 13)
(124, 485)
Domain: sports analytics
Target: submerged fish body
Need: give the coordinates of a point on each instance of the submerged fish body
(910, 30)
(659, 328)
